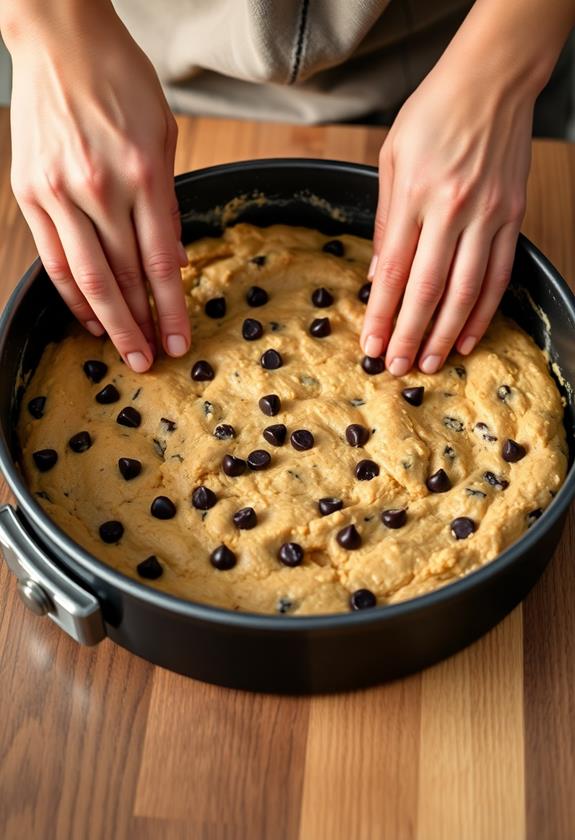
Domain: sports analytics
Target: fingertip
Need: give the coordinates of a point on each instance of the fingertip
(95, 327)
(176, 345)
(466, 345)
(138, 361)
(372, 267)
(372, 345)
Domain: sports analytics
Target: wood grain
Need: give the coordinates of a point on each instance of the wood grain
(96, 743)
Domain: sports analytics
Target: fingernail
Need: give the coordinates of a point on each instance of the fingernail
(430, 364)
(372, 267)
(373, 345)
(467, 345)
(399, 366)
(177, 345)
(96, 328)
(183, 256)
(137, 361)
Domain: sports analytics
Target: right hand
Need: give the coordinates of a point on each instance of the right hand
(93, 144)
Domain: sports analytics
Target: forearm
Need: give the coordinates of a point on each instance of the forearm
(514, 43)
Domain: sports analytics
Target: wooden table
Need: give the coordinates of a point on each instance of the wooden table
(96, 743)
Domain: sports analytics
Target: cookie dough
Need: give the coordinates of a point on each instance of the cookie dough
(272, 469)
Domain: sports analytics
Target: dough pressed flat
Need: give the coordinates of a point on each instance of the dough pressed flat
(423, 478)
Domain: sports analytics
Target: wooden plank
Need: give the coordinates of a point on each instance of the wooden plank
(361, 769)
(471, 766)
(227, 762)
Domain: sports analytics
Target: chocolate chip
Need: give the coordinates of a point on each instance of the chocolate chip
(245, 519)
(462, 527)
(356, 402)
(302, 439)
(129, 468)
(95, 370)
(224, 432)
(414, 396)
(45, 459)
(259, 459)
(366, 470)
(223, 558)
(472, 491)
(252, 329)
(534, 515)
(362, 599)
(271, 360)
(256, 296)
(275, 326)
(108, 394)
(349, 538)
(215, 307)
(495, 480)
(320, 328)
(373, 365)
(460, 371)
(270, 405)
(169, 425)
(80, 442)
(259, 260)
(150, 568)
(394, 517)
(438, 482)
(512, 451)
(335, 247)
(130, 417)
(356, 435)
(329, 504)
(276, 434)
(284, 604)
(364, 292)
(233, 466)
(163, 508)
(202, 371)
(321, 298)
(450, 453)
(291, 554)
(203, 498)
(503, 392)
(453, 423)
(482, 429)
(36, 407)
(111, 531)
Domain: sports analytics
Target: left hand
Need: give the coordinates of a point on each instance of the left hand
(452, 184)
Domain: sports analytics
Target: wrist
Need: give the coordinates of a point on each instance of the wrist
(28, 21)
(511, 48)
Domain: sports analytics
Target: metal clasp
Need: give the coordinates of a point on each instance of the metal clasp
(43, 586)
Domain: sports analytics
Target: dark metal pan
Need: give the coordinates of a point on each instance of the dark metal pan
(58, 578)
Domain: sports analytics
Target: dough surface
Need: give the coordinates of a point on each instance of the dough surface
(323, 389)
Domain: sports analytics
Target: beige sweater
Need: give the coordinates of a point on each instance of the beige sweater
(302, 61)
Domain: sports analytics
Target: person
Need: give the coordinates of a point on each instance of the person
(94, 138)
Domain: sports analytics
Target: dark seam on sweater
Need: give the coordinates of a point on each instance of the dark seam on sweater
(299, 45)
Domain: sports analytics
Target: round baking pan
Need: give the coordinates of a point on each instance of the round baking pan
(58, 578)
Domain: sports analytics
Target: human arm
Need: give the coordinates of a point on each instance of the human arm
(452, 183)
(93, 144)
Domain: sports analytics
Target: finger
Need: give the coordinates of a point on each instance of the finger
(391, 275)
(92, 273)
(56, 266)
(160, 259)
(463, 289)
(171, 143)
(423, 292)
(496, 281)
(383, 202)
(118, 239)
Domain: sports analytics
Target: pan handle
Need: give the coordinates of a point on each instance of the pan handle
(44, 588)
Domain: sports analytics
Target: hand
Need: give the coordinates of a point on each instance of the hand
(93, 144)
(452, 183)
